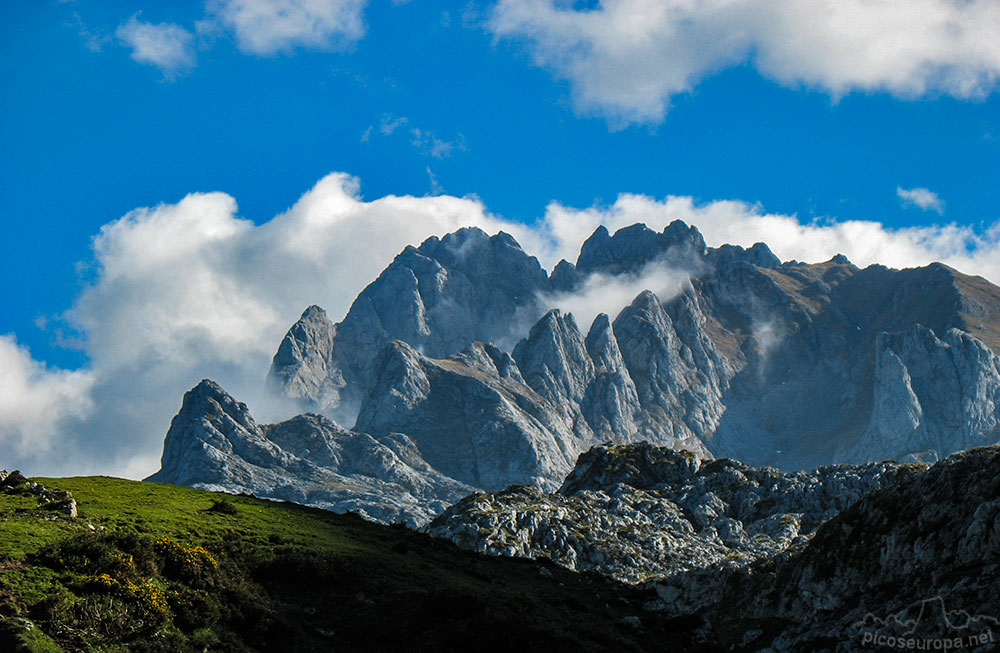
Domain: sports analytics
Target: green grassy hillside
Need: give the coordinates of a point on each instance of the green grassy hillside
(149, 567)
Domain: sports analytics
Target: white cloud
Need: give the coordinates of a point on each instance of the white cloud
(626, 58)
(167, 46)
(920, 198)
(601, 293)
(36, 403)
(727, 221)
(189, 290)
(92, 39)
(267, 27)
(390, 123)
(424, 141)
(427, 142)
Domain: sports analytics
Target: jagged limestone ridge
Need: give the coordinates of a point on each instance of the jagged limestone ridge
(214, 443)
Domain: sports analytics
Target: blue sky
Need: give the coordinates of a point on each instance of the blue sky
(531, 111)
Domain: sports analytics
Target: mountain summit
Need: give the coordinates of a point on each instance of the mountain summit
(459, 349)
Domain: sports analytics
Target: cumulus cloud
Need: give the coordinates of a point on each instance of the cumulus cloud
(626, 58)
(267, 27)
(37, 403)
(920, 198)
(190, 290)
(167, 46)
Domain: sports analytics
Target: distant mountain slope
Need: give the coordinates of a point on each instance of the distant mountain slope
(458, 350)
(778, 363)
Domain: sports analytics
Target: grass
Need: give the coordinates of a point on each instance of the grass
(149, 567)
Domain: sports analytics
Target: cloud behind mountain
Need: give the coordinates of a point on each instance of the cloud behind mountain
(191, 290)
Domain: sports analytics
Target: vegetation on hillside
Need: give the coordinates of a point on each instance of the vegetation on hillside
(150, 567)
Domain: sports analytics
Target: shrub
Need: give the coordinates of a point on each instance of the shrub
(193, 609)
(127, 613)
(222, 506)
(86, 554)
(193, 565)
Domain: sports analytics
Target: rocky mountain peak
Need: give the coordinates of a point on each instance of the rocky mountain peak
(437, 297)
(314, 313)
(645, 303)
(643, 322)
(208, 399)
(791, 365)
(477, 254)
(564, 276)
(631, 248)
(759, 255)
(602, 345)
(300, 368)
(210, 428)
(214, 443)
(553, 359)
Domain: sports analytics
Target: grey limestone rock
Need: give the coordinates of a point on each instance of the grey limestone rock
(760, 255)
(791, 365)
(472, 415)
(631, 248)
(639, 512)
(611, 402)
(782, 364)
(214, 444)
(303, 367)
(931, 394)
(678, 377)
(554, 360)
(923, 552)
(438, 297)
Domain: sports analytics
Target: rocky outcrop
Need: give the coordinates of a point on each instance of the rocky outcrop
(60, 501)
(438, 297)
(554, 360)
(639, 512)
(815, 561)
(472, 415)
(611, 402)
(215, 444)
(915, 560)
(678, 374)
